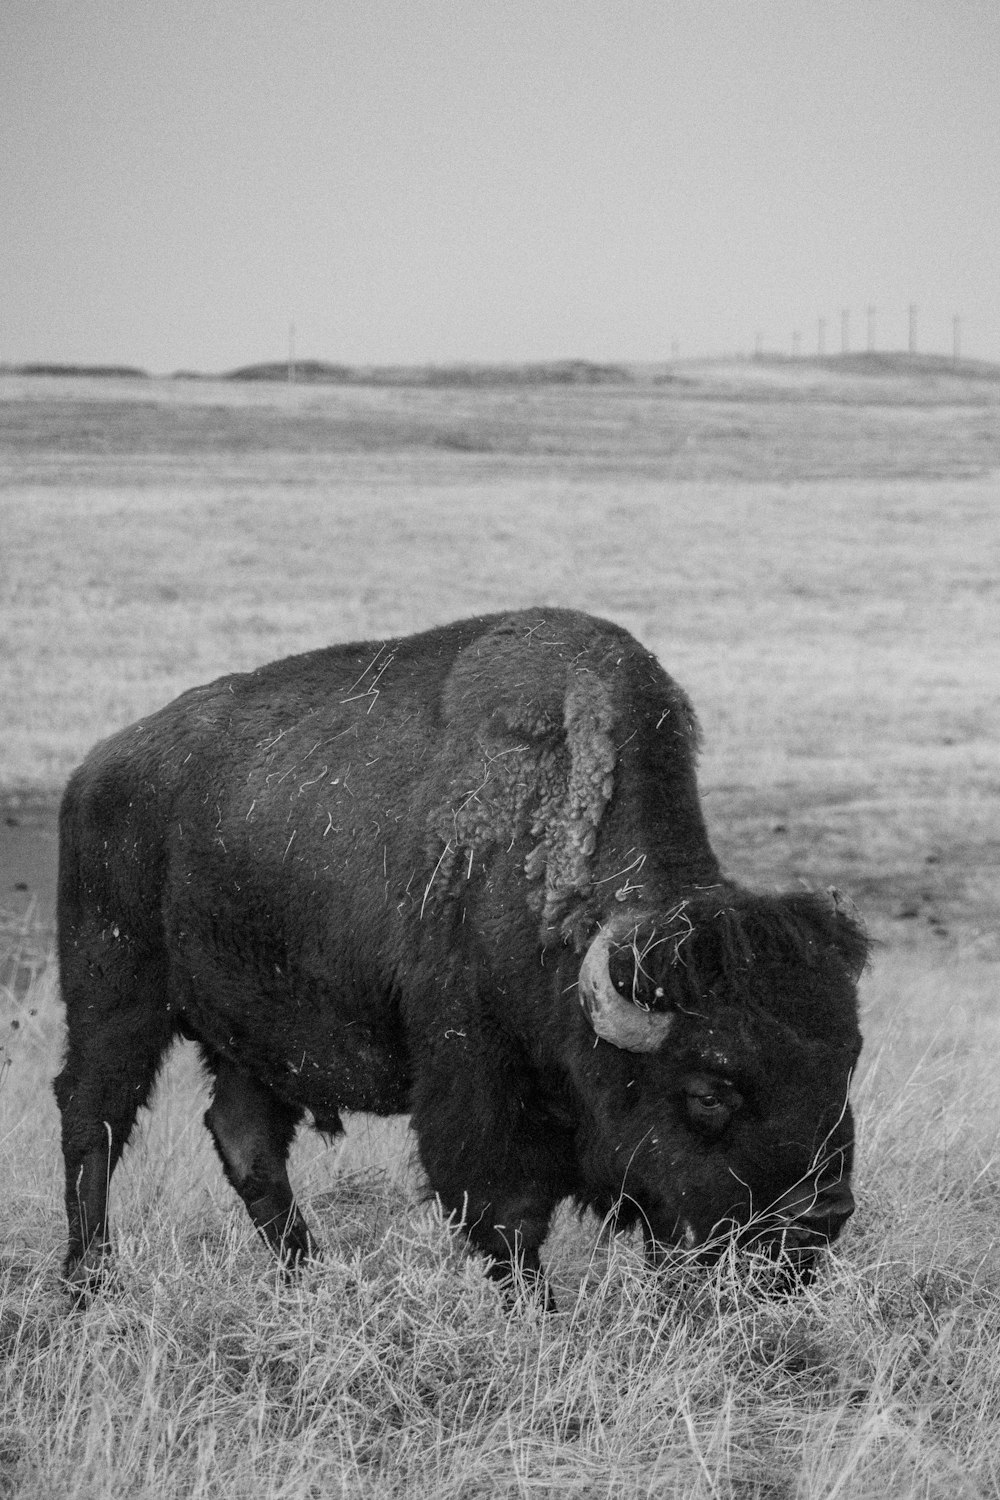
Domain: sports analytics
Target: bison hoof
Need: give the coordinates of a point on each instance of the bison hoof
(296, 1249)
(292, 1261)
(86, 1275)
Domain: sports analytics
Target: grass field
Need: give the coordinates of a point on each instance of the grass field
(813, 553)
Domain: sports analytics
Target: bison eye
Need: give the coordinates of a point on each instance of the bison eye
(711, 1104)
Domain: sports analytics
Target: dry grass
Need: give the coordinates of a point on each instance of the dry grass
(392, 1367)
(837, 632)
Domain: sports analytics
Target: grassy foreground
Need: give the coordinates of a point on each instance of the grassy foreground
(393, 1369)
(837, 633)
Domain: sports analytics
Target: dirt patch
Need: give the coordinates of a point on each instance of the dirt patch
(28, 861)
(766, 839)
(28, 854)
(926, 884)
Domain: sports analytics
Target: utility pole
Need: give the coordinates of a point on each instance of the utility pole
(758, 346)
(821, 337)
(871, 329)
(912, 340)
(956, 338)
(845, 331)
(291, 353)
(796, 345)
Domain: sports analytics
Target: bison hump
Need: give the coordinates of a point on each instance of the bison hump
(529, 758)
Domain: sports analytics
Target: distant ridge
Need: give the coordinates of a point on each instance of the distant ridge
(107, 372)
(885, 363)
(306, 372)
(693, 372)
(552, 372)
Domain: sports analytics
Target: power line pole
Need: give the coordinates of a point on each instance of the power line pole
(956, 338)
(871, 329)
(912, 340)
(796, 345)
(845, 331)
(291, 353)
(821, 337)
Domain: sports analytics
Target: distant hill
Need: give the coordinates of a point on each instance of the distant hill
(128, 372)
(552, 372)
(306, 372)
(893, 376)
(890, 363)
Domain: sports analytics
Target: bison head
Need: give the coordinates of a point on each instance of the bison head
(727, 1033)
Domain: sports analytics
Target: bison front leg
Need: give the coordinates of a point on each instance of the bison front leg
(512, 1254)
(492, 1157)
(253, 1130)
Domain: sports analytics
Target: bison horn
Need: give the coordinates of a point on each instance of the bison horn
(614, 1017)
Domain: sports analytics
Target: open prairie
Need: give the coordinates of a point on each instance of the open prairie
(813, 550)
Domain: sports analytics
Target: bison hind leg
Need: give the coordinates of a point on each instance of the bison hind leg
(253, 1129)
(112, 1057)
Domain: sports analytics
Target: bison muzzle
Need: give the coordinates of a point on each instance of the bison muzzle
(464, 875)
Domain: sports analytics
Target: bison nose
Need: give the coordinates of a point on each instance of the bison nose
(822, 1210)
(830, 1211)
(835, 1203)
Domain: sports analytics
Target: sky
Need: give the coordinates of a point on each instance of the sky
(429, 181)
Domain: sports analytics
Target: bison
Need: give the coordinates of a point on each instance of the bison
(465, 875)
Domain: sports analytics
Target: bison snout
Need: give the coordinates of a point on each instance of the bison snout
(817, 1213)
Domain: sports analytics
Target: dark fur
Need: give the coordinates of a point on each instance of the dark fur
(363, 879)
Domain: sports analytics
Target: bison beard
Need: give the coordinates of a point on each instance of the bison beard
(463, 874)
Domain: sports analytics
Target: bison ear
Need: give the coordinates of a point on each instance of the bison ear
(832, 918)
(851, 940)
(613, 1016)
